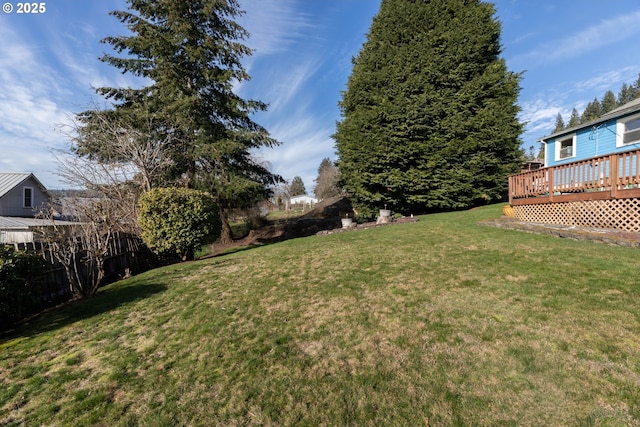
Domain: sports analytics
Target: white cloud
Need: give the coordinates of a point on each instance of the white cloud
(541, 111)
(305, 142)
(610, 80)
(605, 33)
(274, 25)
(284, 90)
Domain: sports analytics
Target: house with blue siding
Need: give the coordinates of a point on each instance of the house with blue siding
(590, 178)
(615, 132)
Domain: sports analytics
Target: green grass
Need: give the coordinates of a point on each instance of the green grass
(439, 322)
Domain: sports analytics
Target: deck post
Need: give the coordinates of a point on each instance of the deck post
(614, 163)
(550, 171)
(511, 189)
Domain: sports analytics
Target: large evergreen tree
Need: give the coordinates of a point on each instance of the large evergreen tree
(574, 120)
(189, 52)
(559, 123)
(429, 113)
(296, 188)
(592, 111)
(626, 94)
(608, 102)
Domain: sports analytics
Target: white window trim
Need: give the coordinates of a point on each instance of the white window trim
(620, 130)
(557, 147)
(24, 197)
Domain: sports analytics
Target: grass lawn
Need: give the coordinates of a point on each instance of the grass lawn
(439, 322)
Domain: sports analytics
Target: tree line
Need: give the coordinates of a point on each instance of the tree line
(598, 108)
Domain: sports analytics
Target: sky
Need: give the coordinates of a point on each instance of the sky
(569, 51)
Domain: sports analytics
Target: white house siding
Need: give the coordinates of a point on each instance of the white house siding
(21, 236)
(303, 200)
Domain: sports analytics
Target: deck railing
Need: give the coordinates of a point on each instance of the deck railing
(606, 177)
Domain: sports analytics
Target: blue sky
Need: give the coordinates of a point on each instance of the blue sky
(570, 52)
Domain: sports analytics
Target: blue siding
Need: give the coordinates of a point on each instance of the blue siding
(590, 142)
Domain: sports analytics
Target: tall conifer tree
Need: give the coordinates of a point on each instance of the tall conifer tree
(189, 53)
(429, 116)
(608, 102)
(559, 123)
(592, 111)
(574, 120)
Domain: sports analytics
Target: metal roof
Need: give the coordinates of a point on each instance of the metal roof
(623, 110)
(10, 180)
(7, 223)
(20, 223)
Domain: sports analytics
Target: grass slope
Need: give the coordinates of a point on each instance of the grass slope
(440, 322)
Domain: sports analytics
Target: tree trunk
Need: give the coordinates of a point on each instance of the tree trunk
(225, 234)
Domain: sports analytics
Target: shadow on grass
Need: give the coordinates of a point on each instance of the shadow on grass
(108, 299)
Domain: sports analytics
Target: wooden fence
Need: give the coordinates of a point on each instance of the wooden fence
(126, 255)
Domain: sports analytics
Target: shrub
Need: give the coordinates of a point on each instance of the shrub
(178, 220)
(21, 275)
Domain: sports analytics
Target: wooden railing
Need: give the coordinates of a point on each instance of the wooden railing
(598, 178)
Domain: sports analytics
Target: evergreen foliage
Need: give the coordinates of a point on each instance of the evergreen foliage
(592, 111)
(608, 102)
(598, 108)
(574, 120)
(429, 114)
(559, 123)
(188, 53)
(21, 284)
(296, 188)
(625, 94)
(178, 220)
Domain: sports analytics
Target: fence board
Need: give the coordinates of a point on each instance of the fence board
(126, 255)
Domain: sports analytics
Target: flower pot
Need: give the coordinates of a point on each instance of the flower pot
(347, 222)
(508, 211)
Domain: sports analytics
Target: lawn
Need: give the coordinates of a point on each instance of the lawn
(439, 322)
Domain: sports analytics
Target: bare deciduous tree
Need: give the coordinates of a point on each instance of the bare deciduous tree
(327, 182)
(82, 248)
(108, 200)
(137, 151)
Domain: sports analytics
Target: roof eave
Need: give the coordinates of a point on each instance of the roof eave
(634, 107)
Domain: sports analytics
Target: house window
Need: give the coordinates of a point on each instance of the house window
(629, 131)
(565, 147)
(28, 197)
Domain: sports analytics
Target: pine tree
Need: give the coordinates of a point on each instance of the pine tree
(429, 116)
(608, 102)
(296, 188)
(559, 123)
(635, 92)
(189, 52)
(592, 111)
(574, 120)
(625, 94)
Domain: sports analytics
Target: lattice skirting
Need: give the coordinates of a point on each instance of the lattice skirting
(618, 214)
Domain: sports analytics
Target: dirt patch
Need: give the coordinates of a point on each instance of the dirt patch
(324, 218)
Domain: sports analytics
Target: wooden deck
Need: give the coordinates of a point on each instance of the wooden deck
(615, 176)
